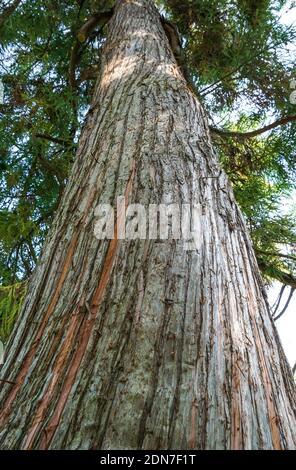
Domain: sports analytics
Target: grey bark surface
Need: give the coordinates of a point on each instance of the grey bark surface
(140, 344)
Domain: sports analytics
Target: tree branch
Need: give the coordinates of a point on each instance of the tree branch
(248, 135)
(213, 86)
(8, 11)
(278, 301)
(56, 140)
(286, 304)
(278, 274)
(51, 169)
(175, 42)
(279, 255)
(83, 33)
(90, 73)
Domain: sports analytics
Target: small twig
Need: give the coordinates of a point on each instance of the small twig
(217, 83)
(278, 301)
(249, 135)
(286, 304)
(285, 278)
(279, 255)
(56, 140)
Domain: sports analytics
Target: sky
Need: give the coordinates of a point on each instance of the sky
(286, 325)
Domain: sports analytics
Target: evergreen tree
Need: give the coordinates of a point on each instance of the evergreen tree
(190, 355)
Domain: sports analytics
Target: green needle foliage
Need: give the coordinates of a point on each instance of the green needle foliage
(241, 60)
(11, 299)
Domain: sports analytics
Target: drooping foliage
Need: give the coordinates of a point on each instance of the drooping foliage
(241, 58)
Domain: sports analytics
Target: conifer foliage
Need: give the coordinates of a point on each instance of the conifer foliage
(239, 56)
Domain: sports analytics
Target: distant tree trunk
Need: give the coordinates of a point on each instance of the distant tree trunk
(140, 344)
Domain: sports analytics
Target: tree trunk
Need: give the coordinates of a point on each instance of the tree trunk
(128, 344)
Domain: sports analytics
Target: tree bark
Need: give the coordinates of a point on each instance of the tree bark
(141, 344)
